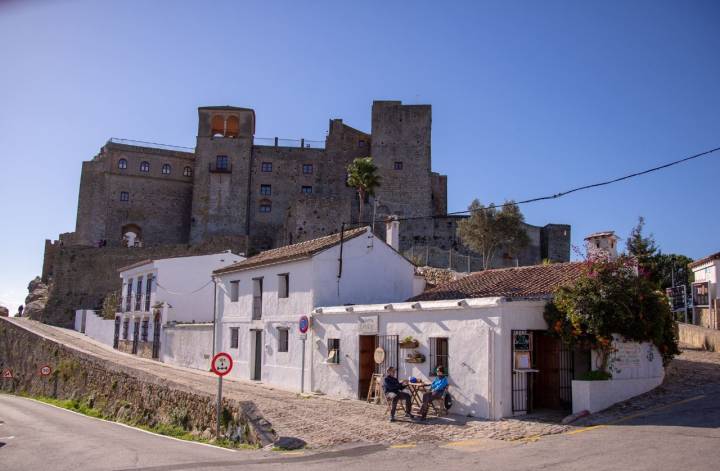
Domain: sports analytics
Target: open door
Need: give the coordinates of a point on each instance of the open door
(257, 355)
(366, 366)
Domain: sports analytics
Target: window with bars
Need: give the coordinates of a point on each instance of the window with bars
(187, 172)
(439, 355)
(398, 166)
(221, 162)
(234, 291)
(307, 169)
(265, 206)
(126, 329)
(144, 330)
(128, 294)
(234, 337)
(333, 346)
(138, 294)
(148, 292)
(307, 189)
(283, 339)
(124, 196)
(257, 299)
(122, 164)
(283, 285)
(166, 169)
(144, 166)
(266, 167)
(266, 190)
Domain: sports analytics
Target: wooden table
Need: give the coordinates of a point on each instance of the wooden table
(416, 393)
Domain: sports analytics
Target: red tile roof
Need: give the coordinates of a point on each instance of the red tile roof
(293, 252)
(703, 261)
(520, 282)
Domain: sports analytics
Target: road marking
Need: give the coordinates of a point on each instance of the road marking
(635, 415)
(7, 438)
(128, 426)
(404, 445)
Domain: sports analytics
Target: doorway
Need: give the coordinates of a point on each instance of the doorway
(366, 364)
(156, 336)
(552, 384)
(116, 336)
(257, 355)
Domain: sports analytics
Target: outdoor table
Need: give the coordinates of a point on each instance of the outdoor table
(416, 393)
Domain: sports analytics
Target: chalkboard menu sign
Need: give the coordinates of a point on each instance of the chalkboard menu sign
(522, 342)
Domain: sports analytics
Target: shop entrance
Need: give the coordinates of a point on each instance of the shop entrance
(366, 364)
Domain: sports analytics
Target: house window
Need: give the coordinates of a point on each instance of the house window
(307, 169)
(266, 190)
(126, 328)
(234, 290)
(138, 294)
(124, 196)
(266, 167)
(234, 337)
(148, 292)
(144, 330)
(361, 143)
(283, 285)
(439, 354)
(283, 339)
(128, 299)
(122, 164)
(187, 172)
(221, 162)
(265, 206)
(144, 166)
(333, 351)
(398, 166)
(307, 190)
(166, 169)
(257, 299)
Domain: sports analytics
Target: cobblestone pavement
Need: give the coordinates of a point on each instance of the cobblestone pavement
(322, 421)
(691, 374)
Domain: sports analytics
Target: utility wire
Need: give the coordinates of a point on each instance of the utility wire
(567, 192)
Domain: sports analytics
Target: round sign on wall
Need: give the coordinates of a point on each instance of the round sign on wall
(304, 324)
(45, 370)
(379, 355)
(221, 364)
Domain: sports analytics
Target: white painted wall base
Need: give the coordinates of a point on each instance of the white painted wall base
(188, 345)
(595, 396)
(97, 328)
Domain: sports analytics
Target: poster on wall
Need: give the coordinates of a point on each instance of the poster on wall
(522, 342)
(701, 294)
(522, 361)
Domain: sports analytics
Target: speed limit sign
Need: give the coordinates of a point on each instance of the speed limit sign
(45, 370)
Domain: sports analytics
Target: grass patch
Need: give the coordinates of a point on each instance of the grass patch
(169, 430)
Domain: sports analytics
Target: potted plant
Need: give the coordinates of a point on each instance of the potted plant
(409, 342)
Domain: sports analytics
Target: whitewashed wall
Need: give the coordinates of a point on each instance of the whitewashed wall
(188, 345)
(97, 328)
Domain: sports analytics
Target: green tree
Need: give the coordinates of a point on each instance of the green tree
(362, 175)
(489, 228)
(643, 248)
(667, 265)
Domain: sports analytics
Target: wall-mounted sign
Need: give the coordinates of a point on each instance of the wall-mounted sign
(522, 361)
(677, 296)
(379, 355)
(304, 324)
(368, 325)
(45, 370)
(522, 342)
(7, 373)
(701, 294)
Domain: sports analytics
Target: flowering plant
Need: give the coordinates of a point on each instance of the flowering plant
(612, 298)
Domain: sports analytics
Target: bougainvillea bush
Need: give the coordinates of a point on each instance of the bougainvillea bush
(611, 297)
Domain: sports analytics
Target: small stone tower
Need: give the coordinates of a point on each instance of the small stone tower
(222, 172)
(602, 245)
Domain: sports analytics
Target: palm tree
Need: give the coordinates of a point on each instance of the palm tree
(362, 175)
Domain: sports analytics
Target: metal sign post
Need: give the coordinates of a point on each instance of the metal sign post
(221, 365)
(303, 326)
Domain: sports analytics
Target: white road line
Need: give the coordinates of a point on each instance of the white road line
(7, 438)
(129, 426)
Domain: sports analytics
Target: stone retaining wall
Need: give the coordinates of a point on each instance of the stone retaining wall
(119, 393)
(699, 337)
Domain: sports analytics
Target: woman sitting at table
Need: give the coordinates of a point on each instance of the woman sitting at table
(437, 388)
(394, 392)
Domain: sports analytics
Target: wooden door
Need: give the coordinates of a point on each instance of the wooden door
(366, 366)
(257, 373)
(546, 382)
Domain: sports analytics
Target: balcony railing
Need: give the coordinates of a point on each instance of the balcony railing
(277, 142)
(214, 168)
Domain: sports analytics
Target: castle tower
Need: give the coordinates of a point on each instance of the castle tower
(601, 245)
(222, 172)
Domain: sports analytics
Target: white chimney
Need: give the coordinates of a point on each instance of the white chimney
(601, 245)
(392, 232)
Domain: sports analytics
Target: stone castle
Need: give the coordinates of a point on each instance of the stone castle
(234, 190)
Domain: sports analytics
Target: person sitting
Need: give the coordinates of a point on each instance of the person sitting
(391, 385)
(437, 388)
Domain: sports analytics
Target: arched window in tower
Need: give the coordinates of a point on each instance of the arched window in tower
(265, 206)
(187, 172)
(232, 127)
(217, 126)
(122, 164)
(144, 166)
(166, 169)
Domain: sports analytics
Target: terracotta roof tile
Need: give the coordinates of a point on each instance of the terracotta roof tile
(292, 252)
(703, 261)
(531, 281)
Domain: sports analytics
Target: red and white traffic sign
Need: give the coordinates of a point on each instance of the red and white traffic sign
(45, 370)
(7, 373)
(221, 364)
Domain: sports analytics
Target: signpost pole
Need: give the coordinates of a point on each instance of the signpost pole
(302, 368)
(219, 407)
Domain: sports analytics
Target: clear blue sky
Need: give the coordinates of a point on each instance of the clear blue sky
(529, 98)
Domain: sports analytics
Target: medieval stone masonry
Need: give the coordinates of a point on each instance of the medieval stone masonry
(236, 191)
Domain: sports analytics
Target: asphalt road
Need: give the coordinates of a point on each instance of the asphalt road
(682, 436)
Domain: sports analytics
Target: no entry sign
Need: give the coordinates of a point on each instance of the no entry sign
(45, 370)
(221, 364)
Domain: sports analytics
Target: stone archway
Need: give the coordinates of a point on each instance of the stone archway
(131, 235)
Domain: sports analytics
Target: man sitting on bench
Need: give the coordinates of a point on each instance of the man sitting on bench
(394, 389)
(437, 389)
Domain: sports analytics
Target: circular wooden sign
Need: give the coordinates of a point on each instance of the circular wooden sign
(379, 355)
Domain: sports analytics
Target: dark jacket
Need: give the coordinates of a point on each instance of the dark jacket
(392, 385)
